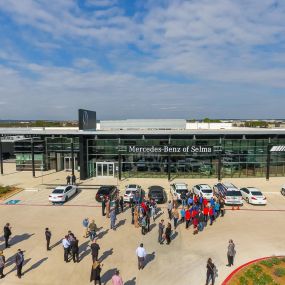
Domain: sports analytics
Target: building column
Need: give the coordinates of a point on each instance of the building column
(268, 162)
(72, 157)
(220, 166)
(168, 168)
(120, 167)
(33, 157)
(1, 156)
(83, 157)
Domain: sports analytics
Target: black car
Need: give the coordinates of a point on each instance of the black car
(107, 191)
(157, 194)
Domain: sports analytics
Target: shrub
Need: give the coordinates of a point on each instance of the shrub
(282, 259)
(256, 268)
(267, 263)
(275, 260)
(249, 274)
(243, 281)
(280, 272)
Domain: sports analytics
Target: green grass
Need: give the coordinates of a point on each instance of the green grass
(5, 189)
(280, 272)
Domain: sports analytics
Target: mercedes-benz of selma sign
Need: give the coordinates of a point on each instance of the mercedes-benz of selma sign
(170, 149)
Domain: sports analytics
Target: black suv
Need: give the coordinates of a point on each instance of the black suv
(157, 194)
(109, 191)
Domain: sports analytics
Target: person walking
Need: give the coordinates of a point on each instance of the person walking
(85, 224)
(113, 218)
(201, 221)
(175, 215)
(143, 225)
(96, 272)
(107, 207)
(231, 253)
(95, 250)
(103, 204)
(75, 250)
(2, 264)
(121, 202)
(117, 279)
(211, 272)
(168, 233)
(133, 213)
(160, 231)
(169, 209)
(7, 234)
(187, 218)
(212, 215)
(68, 179)
(206, 214)
(66, 248)
(19, 260)
(92, 230)
(141, 254)
(48, 237)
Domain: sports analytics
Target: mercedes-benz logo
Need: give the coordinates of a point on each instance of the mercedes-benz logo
(85, 118)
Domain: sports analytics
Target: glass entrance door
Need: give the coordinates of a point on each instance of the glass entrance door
(105, 169)
(68, 163)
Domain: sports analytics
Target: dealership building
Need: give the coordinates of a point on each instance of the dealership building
(171, 148)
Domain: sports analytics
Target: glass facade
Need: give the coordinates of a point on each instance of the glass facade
(106, 155)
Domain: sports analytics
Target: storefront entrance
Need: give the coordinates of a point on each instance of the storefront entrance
(68, 163)
(105, 169)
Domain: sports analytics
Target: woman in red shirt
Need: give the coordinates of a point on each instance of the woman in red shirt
(187, 217)
(211, 214)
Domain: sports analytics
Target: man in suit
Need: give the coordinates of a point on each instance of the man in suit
(48, 237)
(95, 250)
(19, 259)
(7, 234)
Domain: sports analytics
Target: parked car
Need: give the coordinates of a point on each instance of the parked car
(229, 192)
(283, 190)
(61, 194)
(179, 190)
(253, 196)
(109, 191)
(131, 191)
(141, 166)
(203, 189)
(157, 194)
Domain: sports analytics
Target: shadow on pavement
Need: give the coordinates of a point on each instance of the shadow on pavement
(149, 258)
(106, 277)
(131, 282)
(106, 254)
(102, 234)
(84, 249)
(35, 265)
(56, 244)
(152, 226)
(19, 238)
(121, 223)
(14, 268)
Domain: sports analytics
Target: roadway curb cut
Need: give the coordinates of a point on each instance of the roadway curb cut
(228, 279)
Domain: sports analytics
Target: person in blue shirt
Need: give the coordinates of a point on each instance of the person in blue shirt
(217, 209)
(182, 214)
(190, 201)
(212, 202)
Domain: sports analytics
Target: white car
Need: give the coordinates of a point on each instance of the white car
(61, 194)
(130, 192)
(253, 196)
(203, 189)
(179, 190)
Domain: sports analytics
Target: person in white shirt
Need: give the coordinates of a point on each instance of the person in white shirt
(141, 254)
(66, 247)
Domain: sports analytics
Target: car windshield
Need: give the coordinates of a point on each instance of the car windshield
(182, 190)
(256, 193)
(233, 193)
(130, 192)
(207, 191)
(132, 186)
(104, 190)
(156, 192)
(57, 191)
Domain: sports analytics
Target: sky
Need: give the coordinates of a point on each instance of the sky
(142, 58)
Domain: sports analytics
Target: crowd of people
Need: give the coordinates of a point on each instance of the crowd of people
(192, 210)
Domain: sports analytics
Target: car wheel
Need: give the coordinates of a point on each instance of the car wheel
(283, 192)
(66, 199)
(247, 200)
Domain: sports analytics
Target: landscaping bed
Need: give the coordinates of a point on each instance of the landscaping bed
(8, 191)
(269, 271)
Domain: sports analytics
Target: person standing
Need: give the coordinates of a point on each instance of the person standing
(107, 207)
(75, 250)
(217, 209)
(222, 207)
(200, 220)
(68, 179)
(175, 215)
(206, 214)
(169, 209)
(7, 234)
(48, 237)
(141, 254)
(117, 279)
(2, 264)
(231, 253)
(95, 250)
(96, 272)
(73, 179)
(168, 233)
(182, 214)
(187, 218)
(160, 231)
(85, 224)
(117, 205)
(92, 230)
(121, 204)
(103, 203)
(211, 272)
(143, 225)
(136, 217)
(212, 215)
(113, 218)
(19, 260)
(66, 248)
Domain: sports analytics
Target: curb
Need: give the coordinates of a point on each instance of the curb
(246, 264)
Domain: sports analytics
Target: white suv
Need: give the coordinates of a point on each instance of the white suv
(203, 189)
(179, 190)
(130, 192)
